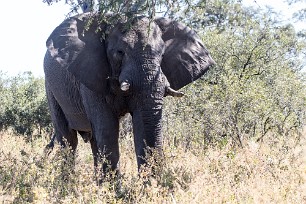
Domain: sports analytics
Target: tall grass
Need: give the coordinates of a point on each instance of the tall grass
(273, 171)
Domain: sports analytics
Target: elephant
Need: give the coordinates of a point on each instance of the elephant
(96, 72)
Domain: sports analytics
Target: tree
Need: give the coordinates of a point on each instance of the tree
(256, 89)
(300, 15)
(24, 107)
(126, 7)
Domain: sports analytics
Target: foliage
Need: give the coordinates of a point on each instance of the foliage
(271, 172)
(24, 107)
(300, 15)
(128, 8)
(257, 87)
(255, 93)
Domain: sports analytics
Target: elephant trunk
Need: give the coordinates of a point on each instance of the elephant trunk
(127, 78)
(147, 127)
(152, 121)
(151, 116)
(148, 86)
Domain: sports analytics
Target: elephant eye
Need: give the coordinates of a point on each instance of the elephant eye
(120, 52)
(118, 55)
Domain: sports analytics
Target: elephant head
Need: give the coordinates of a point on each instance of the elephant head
(175, 47)
(146, 58)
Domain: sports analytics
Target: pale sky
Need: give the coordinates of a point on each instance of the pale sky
(26, 24)
(282, 7)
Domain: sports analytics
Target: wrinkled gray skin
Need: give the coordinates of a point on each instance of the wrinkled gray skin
(92, 81)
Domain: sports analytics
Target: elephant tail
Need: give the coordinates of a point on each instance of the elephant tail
(49, 147)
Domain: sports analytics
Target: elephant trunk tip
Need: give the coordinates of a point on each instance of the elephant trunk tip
(125, 86)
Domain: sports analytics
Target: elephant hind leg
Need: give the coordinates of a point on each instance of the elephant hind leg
(51, 143)
(85, 135)
(63, 134)
(71, 139)
(67, 156)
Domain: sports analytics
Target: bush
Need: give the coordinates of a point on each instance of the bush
(271, 172)
(257, 87)
(24, 106)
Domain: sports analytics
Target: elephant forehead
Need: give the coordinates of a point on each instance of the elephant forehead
(148, 31)
(135, 37)
(141, 30)
(130, 38)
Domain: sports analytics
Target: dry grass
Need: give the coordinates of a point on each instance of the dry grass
(269, 172)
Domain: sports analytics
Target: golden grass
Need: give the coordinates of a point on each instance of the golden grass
(270, 172)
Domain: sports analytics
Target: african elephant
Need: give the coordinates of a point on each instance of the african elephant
(94, 77)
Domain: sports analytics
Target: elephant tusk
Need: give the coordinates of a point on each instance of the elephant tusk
(172, 92)
(125, 86)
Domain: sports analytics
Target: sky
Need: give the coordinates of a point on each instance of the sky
(26, 24)
(282, 7)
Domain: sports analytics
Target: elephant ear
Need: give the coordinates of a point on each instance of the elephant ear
(81, 51)
(185, 58)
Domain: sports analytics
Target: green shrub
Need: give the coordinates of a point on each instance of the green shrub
(256, 88)
(24, 107)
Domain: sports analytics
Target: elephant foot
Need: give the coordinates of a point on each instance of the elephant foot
(171, 92)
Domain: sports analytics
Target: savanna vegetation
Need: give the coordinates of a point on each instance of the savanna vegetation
(235, 137)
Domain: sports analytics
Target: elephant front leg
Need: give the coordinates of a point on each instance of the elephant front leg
(105, 133)
(104, 143)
